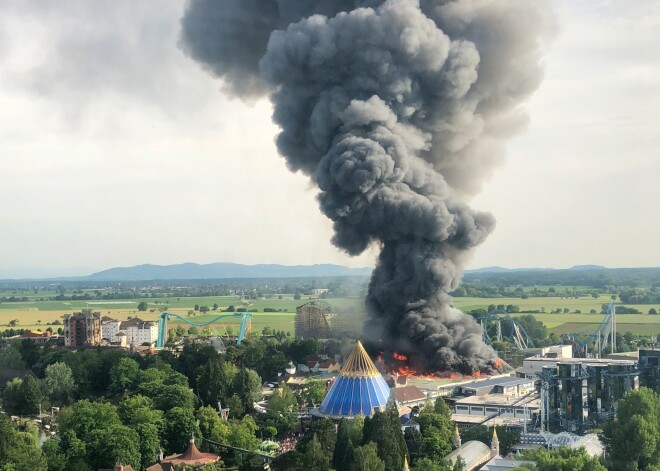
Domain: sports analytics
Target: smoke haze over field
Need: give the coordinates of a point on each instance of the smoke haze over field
(397, 110)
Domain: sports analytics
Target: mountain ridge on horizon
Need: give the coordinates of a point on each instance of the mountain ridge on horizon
(230, 270)
(221, 270)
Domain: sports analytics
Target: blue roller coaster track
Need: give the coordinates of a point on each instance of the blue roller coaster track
(516, 332)
(604, 335)
(165, 316)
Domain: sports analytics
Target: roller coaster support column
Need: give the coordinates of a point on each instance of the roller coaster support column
(245, 325)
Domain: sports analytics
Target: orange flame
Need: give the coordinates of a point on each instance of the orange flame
(498, 363)
(399, 366)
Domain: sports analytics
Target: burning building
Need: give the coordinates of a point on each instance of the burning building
(396, 110)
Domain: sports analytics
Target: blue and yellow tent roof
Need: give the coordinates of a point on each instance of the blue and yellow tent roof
(359, 389)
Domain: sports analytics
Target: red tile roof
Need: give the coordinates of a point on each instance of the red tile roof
(408, 394)
(192, 456)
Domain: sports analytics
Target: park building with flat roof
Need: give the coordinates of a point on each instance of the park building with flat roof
(508, 386)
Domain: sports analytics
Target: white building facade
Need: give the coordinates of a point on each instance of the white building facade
(110, 328)
(141, 332)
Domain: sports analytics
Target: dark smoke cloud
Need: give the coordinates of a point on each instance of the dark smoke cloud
(396, 112)
(229, 37)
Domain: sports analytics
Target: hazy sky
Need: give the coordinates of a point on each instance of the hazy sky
(116, 149)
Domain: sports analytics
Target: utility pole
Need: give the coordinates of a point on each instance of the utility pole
(613, 308)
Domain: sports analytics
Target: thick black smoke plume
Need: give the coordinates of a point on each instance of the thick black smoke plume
(397, 110)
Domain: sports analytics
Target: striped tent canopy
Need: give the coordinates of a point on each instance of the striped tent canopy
(359, 389)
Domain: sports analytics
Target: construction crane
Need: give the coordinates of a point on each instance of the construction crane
(245, 326)
(604, 335)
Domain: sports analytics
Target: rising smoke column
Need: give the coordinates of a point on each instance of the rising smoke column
(396, 110)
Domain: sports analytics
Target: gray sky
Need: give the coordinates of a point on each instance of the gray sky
(116, 149)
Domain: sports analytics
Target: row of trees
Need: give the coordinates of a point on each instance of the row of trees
(375, 443)
(117, 407)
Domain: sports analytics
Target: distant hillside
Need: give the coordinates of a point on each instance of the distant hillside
(588, 267)
(194, 271)
(579, 275)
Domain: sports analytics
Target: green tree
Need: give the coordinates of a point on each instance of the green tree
(32, 397)
(324, 430)
(242, 433)
(215, 381)
(247, 384)
(55, 456)
(384, 429)
(365, 458)
(30, 352)
(315, 458)
(123, 374)
(211, 426)
(168, 396)
(137, 410)
(59, 383)
(415, 444)
(633, 439)
(314, 392)
(425, 464)
(235, 406)
(143, 306)
(114, 444)
(76, 450)
(565, 459)
(19, 450)
(180, 426)
(289, 461)
(11, 396)
(356, 430)
(282, 410)
(10, 357)
(341, 445)
(534, 328)
(83, 417)
(437, 430)
(459, 464)
(149, 442)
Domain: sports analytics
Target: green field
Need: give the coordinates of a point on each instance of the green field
(641, 324)
(584, 303)
(29, 313)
